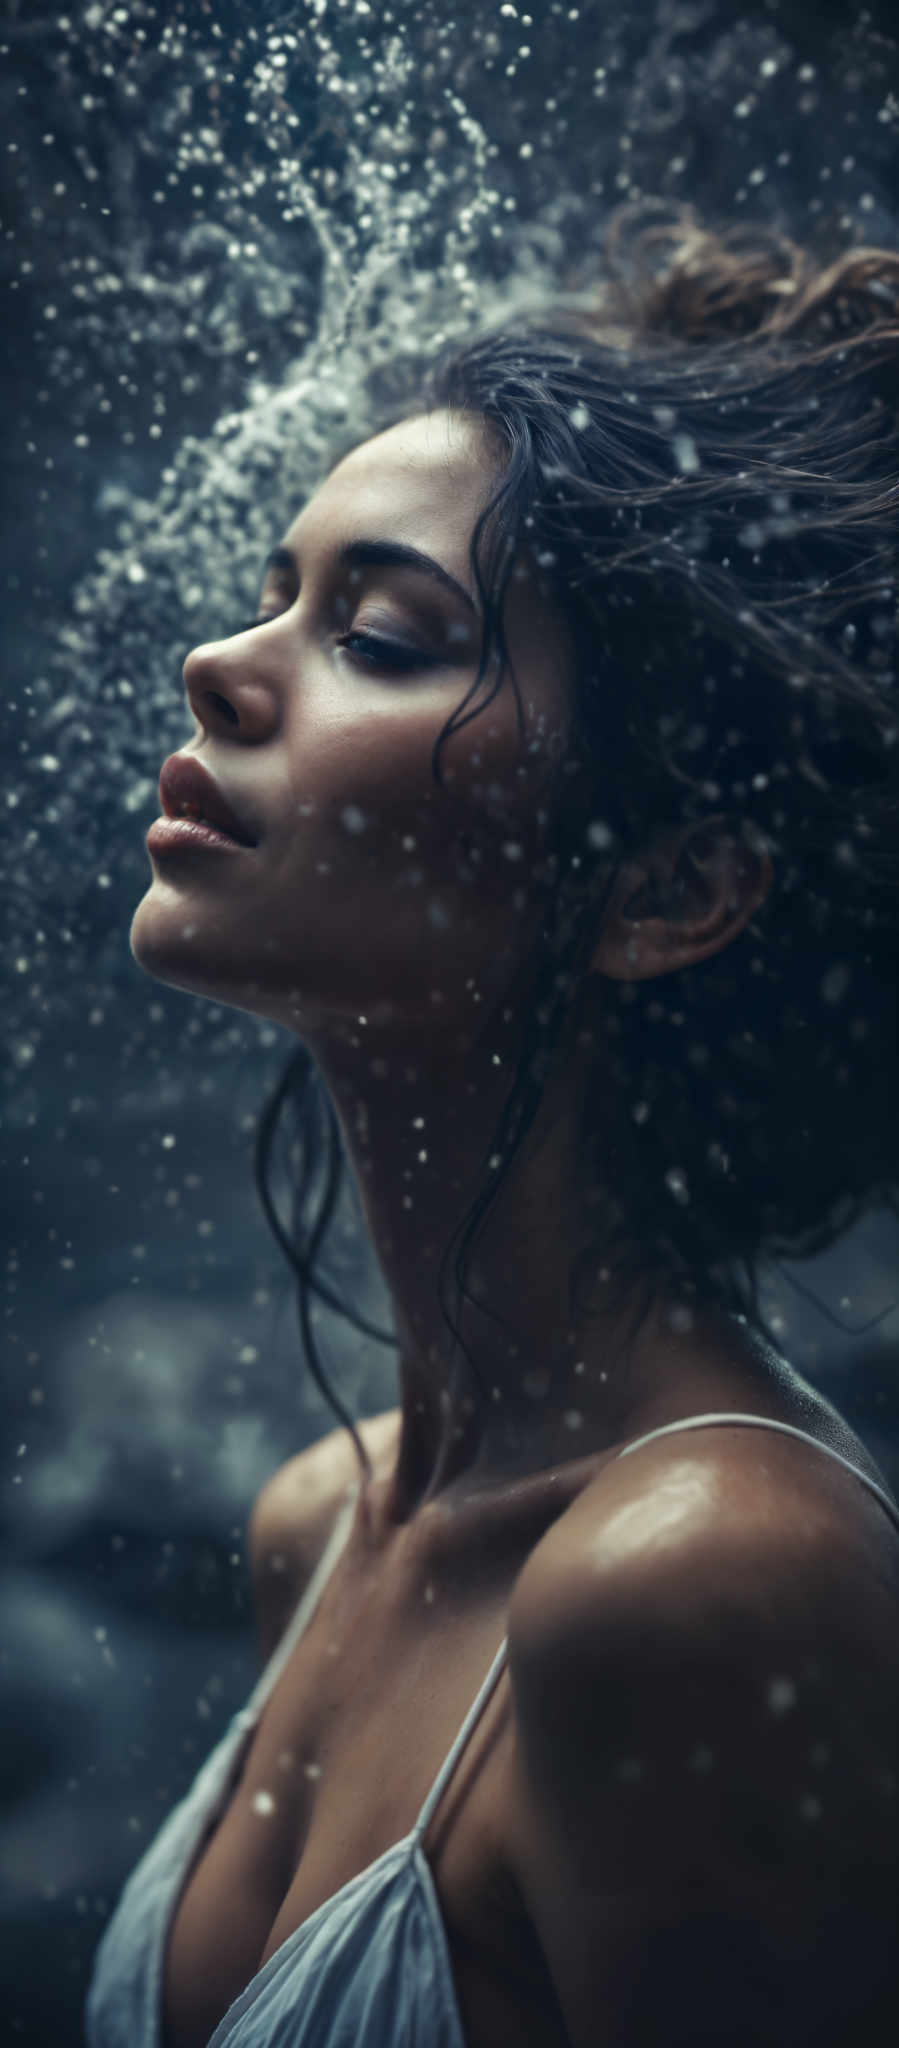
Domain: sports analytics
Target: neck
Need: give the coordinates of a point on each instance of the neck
(533, 1382)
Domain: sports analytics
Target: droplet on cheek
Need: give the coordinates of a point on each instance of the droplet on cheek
(353, 820)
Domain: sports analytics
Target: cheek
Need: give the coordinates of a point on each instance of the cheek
(364, 790)
(373, 888)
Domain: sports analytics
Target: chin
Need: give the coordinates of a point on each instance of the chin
(168, 944)
(165, 961)
(175, 949)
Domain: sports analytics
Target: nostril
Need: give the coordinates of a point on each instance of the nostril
(222, 704)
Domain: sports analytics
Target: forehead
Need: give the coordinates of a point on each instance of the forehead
(427, 478)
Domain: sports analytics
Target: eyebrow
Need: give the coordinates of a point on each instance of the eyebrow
(377, 554)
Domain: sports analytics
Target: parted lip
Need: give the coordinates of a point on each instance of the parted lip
(183, 781)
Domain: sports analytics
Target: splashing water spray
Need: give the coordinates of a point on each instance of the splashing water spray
(275, 208)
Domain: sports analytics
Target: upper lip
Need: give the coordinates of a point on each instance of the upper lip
(183, 781)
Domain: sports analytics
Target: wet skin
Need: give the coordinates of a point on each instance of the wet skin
(389, 925)
(323, 734)
(374, 895)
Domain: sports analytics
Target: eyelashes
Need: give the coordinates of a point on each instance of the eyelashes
(370, 649)
(385, 654)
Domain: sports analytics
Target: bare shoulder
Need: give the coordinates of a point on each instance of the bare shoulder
(704, 1654)
(734, 1508)
(294, 1513)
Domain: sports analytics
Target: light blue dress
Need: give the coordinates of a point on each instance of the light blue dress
(371, 1967)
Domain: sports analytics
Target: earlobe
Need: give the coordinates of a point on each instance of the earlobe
(685, 898)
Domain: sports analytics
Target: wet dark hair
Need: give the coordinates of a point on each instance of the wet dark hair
(700, 456)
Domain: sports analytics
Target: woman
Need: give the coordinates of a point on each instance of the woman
(561, 828)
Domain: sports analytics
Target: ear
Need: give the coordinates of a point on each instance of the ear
(693, 890)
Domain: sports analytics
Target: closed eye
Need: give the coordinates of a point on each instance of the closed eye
(385, 654)
(369, 648)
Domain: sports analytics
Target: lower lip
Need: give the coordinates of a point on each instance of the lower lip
(175, 835)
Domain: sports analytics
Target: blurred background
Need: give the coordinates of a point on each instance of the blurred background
(217, 218)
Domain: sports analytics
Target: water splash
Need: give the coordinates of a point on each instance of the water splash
(252, 220)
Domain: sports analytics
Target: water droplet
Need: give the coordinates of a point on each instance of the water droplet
(536, 1384)
(630, 1770)
(836, 982)
(685, 454)
(781, 1695)
(701, 1759)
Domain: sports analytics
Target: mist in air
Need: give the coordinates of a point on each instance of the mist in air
(220, 224)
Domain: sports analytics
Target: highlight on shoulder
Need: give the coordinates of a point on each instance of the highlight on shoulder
(706, 1681)
(683, 1503)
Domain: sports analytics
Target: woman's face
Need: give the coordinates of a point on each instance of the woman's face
(370, 890)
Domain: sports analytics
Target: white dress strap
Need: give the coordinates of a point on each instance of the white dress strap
(786, 1429)
(303, 1613)
(449, 1763)
(340, 1533)
(667, 1429)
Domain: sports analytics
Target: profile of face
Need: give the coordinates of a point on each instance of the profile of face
(370, 891)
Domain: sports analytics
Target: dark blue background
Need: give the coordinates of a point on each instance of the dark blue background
(160, 280)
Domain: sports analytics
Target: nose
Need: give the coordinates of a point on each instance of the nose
(229, 691)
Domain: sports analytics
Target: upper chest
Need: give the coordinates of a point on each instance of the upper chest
(352, 1739)
(335, 1773)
